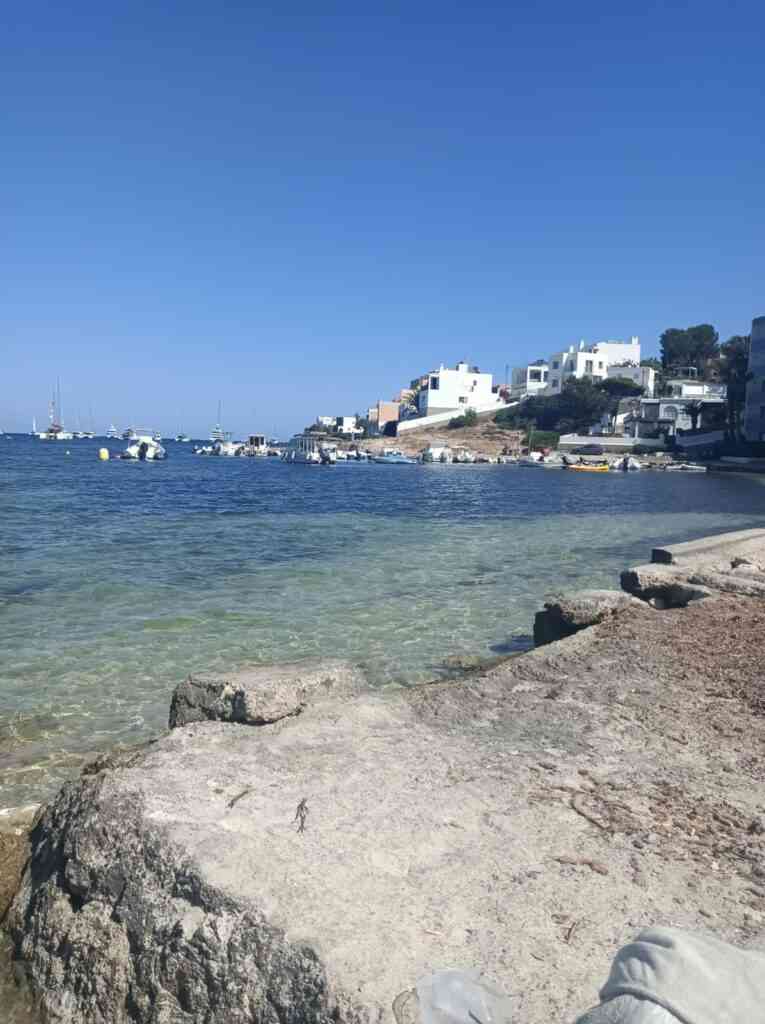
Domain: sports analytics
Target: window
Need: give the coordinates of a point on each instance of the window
(762, 412)
(544, 376)
(462, 400)
(600, 365)
(555, 382)
(556, 364)
(434, 383)
(589, 365)
(535, 376)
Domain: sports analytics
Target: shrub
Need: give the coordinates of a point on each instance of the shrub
(545, 439)
(468, 419)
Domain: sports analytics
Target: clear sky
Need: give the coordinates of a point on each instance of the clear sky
(298, 207)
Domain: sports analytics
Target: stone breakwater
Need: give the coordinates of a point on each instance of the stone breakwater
(297, 848)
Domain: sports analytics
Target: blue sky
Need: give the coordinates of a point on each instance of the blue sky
(296, 208)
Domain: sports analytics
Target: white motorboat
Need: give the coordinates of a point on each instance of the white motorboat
(463, 456)
(626, 465)
(183, 438)
(684, 467)
(112, 433)
(225, 448)
(393, 457)
(552, 461)
(144, 449)
(532, 459)
(437, 453)
(304, 449)
(328, 454)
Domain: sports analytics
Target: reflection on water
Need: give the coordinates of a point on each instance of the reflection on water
(117, 579)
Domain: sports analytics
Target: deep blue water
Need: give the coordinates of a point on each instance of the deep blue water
(117, 578)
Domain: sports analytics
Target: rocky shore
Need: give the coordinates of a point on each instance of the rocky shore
(298, 848)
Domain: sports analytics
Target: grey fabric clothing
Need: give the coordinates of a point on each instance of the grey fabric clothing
(697, 978)
(628, 1010)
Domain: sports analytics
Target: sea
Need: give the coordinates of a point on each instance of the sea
(118, 579)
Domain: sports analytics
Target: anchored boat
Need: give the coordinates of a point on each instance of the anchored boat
(144, 449)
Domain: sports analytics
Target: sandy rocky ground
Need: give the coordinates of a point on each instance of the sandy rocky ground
(524, 821)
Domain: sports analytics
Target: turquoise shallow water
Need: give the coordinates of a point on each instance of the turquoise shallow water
(117, 579)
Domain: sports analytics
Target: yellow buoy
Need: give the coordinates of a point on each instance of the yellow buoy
(103, 454)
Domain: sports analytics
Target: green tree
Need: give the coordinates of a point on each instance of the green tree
(618, 388)
(734, 373)
(653, 362)
(581, 404)
(689, 346)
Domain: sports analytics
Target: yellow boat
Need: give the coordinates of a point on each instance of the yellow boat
(585, 468)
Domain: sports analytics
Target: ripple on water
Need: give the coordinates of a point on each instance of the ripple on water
(134, 578)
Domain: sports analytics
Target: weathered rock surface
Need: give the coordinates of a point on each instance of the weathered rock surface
(263, 694)
(526, 821)
(14, 850)
(662, 585)
(566, 614)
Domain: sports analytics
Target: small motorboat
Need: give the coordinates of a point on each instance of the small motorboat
(328, 454)
(626, 465)
(182, 438)
(144, 449)
(552, 461)
(437, 453)
(393, 457)
(684, 467)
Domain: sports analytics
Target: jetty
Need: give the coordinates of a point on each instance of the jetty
(299, 847)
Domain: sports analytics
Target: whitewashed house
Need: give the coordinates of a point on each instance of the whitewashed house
(457, 389)
(590, 361)
(641, 376)
(530, 379)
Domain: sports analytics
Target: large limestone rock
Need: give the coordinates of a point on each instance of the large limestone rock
(663, 586)
(263, 694)
(568, 613)
(518, 822)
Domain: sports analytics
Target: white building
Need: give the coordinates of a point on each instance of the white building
(530, 379)
(590, 361)
(656, 417)
(642, 376)
(347, 426)
(463, 387)
(754, 410)
(325, 421)
(692, 387)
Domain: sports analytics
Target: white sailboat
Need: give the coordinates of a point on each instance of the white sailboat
(55, 431)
